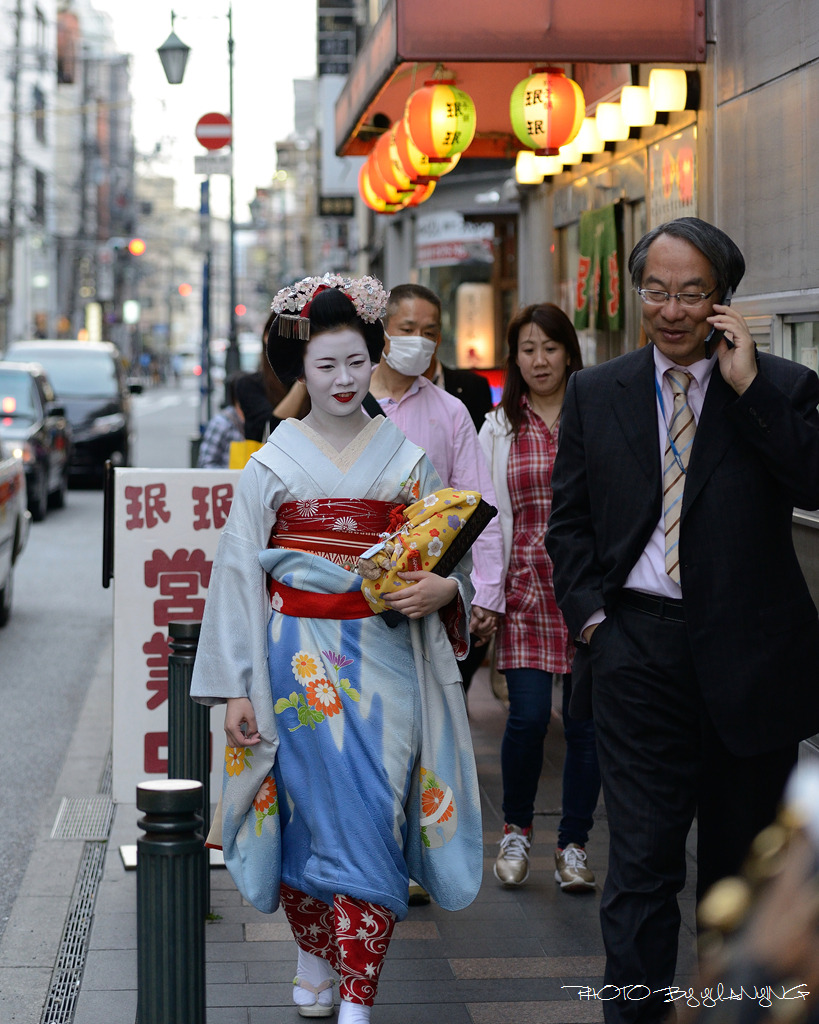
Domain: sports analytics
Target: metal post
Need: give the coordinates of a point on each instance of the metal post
(188, 725)
(232, 353)
(171, 860)
(207, 243)
(188, 722)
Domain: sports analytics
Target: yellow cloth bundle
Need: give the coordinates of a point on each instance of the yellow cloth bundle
(432, 525)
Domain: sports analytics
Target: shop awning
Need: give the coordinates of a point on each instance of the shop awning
(490, 45)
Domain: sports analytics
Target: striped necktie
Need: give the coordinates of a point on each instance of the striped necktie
(680, 436)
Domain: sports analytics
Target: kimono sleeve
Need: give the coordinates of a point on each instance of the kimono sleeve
(231, 660)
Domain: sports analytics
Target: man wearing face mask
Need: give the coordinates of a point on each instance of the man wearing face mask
(440, 424)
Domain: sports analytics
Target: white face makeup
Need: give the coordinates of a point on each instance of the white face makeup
(337, 371)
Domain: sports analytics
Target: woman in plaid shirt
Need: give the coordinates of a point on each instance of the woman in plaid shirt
(533, 642)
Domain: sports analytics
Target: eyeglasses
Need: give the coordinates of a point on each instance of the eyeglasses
(655, 297)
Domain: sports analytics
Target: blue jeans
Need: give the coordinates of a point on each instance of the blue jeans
(530, 708)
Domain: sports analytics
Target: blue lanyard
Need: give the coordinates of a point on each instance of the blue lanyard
(669, 438)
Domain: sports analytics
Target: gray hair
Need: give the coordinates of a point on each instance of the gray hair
(721, 251)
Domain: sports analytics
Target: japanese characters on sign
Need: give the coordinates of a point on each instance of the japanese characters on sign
(167, 526)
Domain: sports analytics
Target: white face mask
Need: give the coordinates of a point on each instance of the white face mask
(410, 354)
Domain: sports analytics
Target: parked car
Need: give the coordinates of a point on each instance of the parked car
(90, 383)
(14, 523)
(35, 425)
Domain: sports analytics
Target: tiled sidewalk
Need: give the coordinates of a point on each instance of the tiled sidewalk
(504, 959)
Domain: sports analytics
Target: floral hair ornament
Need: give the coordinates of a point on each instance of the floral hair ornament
(292, 304)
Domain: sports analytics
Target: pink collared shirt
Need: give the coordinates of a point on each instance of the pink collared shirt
(440, 424)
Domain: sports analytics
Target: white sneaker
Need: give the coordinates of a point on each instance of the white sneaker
(512, 863)
(572, 872)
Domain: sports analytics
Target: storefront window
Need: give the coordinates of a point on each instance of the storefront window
(802, 339)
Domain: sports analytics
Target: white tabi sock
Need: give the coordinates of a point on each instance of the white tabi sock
(313, 971)
(353, 1013)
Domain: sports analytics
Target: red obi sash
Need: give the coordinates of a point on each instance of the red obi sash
(338, 529)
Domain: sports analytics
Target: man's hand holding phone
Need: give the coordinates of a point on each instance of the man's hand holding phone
(735, 349)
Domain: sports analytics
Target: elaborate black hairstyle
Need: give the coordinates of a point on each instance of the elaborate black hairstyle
(330, 309)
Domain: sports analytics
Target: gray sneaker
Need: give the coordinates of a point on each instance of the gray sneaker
(572, 873)
(512, 863)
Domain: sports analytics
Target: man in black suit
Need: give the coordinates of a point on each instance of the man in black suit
(698, 636)
(472, 388)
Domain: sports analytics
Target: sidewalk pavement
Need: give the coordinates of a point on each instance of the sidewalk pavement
(512, 957)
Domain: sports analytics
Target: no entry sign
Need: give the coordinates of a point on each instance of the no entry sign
(214, 131)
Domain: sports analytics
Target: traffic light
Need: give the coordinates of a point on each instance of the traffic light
(185, 289)
(136, 247)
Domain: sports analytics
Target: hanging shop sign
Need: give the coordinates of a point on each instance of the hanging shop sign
(599, 292)
(444, 239)
(672, 177)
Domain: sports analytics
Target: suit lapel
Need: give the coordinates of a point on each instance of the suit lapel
(712, 440)
(635, 408)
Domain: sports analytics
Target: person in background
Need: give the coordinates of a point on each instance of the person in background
(470, 387)
(265, 400)
(224, 428)
(474, 391)
(520, 440)
(671, 535)
(331, 818)
(441, 425)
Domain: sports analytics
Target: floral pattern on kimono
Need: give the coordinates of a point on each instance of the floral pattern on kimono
(363, 725)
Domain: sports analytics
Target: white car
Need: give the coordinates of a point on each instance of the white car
(14, 522)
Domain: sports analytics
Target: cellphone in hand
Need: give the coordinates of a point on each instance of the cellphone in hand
(716, 336)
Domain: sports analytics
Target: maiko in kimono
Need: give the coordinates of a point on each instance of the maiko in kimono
(349, 765)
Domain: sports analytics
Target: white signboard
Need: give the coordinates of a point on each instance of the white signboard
(443, 238)
(167, 526)
(213, 163)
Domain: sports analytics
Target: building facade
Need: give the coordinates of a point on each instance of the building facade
(28, 86)
(738, 152)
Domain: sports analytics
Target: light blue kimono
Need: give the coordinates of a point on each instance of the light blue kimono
(365, 773)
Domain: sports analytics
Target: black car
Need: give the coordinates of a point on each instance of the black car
(89, 381)
(36, 428)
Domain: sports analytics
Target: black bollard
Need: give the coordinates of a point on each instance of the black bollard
(188, 726)
(171, 863)
(188, 722)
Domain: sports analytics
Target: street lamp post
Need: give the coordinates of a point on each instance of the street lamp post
(174, 55)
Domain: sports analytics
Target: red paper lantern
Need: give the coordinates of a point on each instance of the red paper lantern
(420, 194)
(380, 186)
(440, 119)
(388, 164)
(417, 165)
(369, 196)
(547, 110)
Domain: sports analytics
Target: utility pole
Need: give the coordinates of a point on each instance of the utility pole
(80, 262)
(232, 353)
(15, 160)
